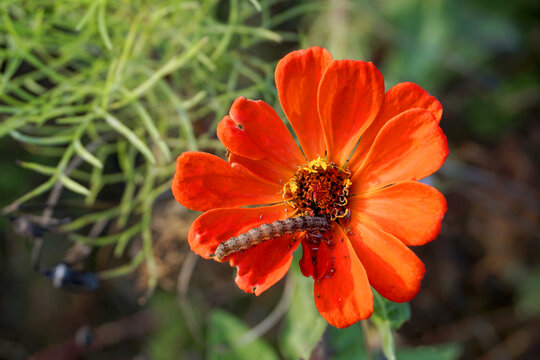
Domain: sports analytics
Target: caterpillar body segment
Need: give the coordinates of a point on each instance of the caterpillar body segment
(255, 236)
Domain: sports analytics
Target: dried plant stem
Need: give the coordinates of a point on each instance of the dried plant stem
(181, 292)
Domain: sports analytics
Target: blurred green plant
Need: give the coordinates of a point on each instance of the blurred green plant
(443, 45)
(106, 93)
(303, 326)
(387, 317)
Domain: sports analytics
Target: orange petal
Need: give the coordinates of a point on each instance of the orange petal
(203, 181)
(392, 268)
(349, 98)
(263, 169)
(253, 130)
(400, 98)
(218, 225)
(261, 266)
(411, 146)
(411, 211)
(318, 258)
(344, 297)
(297, 79)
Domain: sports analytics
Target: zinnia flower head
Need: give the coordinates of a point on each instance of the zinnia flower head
(361, 151)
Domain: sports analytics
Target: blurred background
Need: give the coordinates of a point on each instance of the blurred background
(97, 98)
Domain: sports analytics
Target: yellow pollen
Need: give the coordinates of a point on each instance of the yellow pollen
(293, 186)
(319, 188)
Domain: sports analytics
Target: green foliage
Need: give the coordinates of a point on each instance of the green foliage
(395, 314)
(172, 338)
(388, 316)
(303, 326)
(225, 330)
(347, 343)
(528, 288)
(108, 93)
(439, 352)
(474, 56)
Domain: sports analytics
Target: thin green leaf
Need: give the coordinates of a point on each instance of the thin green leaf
(257, 32)
(96, 180)
(89, 13)
(39, 168)
(126, 49)
(186, 127)
(256, 5)
(53, 140)
(127, 133)
(5, 127)
(89, 219)
(108, 239)
(124, 238)
(148, 249)
(229, 30)
(73, 185)
(102, 25)
(29, 195)
(126, 159)
(110, 79)
(125, 269)
(152, 130)
(11, 67)
(86, 155)
(172, 65)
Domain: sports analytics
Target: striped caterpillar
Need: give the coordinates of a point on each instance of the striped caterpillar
(269, 231)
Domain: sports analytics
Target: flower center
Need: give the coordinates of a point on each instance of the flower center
(319, 188)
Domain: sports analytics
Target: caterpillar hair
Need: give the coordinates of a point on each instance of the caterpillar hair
(255, 236)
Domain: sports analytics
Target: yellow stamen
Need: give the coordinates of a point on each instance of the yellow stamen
(314, 189)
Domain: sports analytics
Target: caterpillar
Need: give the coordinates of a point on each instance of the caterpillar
(269, 231)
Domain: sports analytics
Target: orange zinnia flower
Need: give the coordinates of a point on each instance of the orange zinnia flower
(370, 196)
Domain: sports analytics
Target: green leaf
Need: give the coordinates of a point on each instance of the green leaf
(74, 186)
(388, 316)
(387, 338)
(86, 155)
(225, 329)
(171, 339)
(439, 352)
(102, 25)
(528, 289)
(128, 134)
(345, 344)
(256, 4)
(304, 325)
(40, 169)
(395, 313)
(123, 236)
(152, 130)
(10, 124)
(52, 140)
